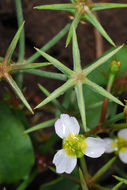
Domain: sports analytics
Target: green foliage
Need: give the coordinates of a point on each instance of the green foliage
(16, 156)
(60, 183)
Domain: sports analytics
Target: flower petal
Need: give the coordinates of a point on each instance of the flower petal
(123, 133)
(95, 147)
(63, 162)
(66, 125)
(108, 145)
(123, 156)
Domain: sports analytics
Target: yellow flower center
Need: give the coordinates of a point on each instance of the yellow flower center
(120, 144)
(74, 145)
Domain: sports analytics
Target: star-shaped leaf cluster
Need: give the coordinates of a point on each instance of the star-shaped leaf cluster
(78, 77)
(7, 67)
(83, 10)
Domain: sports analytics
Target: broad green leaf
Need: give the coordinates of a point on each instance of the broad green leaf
(56, 93)
(102, 91)
(56, 63)
(61, 7)
(102, 6)
(47, 93)
(103, 169)
(48, 146)
(51, 43)
(42, 125)
(92, 19)
(76, 54)
(47, 74)
(93, 103)
(28, 66)
(73, 25)
(81, 103)
(16, 155)
(60, 183)
(68, 99)
(101, 60)
(13, 45)
(18, 91)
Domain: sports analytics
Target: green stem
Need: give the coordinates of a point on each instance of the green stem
(99, 187)
(22, 35)
(26, 182)
(102, 170)
(82, 180)
(83, 165)
(114, 69)
(49, 44)
(21, 40)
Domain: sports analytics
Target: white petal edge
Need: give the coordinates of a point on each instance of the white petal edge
(66, 125)
(95, 147)
(123, 157)
(63, 162)
(108, 145)
(123, 133)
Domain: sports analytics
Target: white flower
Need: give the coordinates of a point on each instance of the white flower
(119, 145)
(74, 144)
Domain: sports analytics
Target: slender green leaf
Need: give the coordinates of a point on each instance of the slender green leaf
(56, 93)
(42, 125)
(51, 43)
(73, 25)
(47, 93)
(92, 19)
(47, 74)
(81, 103)
(116, 187)
(102, 170)
(102, 6)
(28, 66)
(102, 91)
(18, 91)
(56, 63)
(114, 119)
(101, 60)
(118, 126)
(76, 54)
(120, 179)
(61, 7)
(13, 45)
